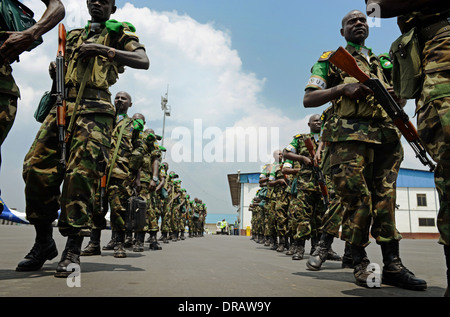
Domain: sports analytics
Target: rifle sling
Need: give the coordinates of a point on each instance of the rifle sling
(116, 150)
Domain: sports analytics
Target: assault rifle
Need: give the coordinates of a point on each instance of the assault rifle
(60, 93)
(317, 172)
(346, 62)
(102, 193)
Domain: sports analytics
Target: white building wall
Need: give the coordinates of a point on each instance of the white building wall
(408, 212)
(248, 192)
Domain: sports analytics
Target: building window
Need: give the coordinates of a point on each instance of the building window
(422, 200)
(426, 222)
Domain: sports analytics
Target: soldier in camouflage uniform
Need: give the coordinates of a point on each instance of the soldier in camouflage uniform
(14, 45)
(165, 178)
(202, 219)
(123, 179)
(308, 206)
(113, 45)
(279, 202)
(270, 215)
(432, 22)
(332, 219)
(265, 193)
(122, 103)
(365, 156)
(149, 178)
(173, 210)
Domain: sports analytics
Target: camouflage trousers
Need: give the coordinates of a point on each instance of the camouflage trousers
(165, 216)
(270, 219)
(364, 178)
(118, 193)
(8, 110)
(175, 219)
(433, 126)
(281, 214)
(87, 155)
(308, 209)
(150, 198)
(332, 219)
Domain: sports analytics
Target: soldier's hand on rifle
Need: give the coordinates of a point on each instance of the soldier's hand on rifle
(52, 70)
(401, 102)
(152, 186)
(356, 91)
(307, 161)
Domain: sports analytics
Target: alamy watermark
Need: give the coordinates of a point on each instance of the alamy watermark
(374, 17)
(214, 145)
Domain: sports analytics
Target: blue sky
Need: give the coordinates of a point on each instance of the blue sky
(279, 40)
(228, 63)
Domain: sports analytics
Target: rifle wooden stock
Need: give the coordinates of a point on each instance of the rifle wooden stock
(317, 172)
(60, 94)
(346, 62)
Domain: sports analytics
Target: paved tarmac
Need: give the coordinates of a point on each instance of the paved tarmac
(209, 266)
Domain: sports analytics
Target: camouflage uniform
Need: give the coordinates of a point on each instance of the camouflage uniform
(266, 194)
(124, 172)
(88, 146)
(307, 205)
(151, 152)
(279, 205)
(174, 212)
(433, 105)
(360, 135)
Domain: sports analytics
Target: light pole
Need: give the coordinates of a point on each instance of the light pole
(166, 109)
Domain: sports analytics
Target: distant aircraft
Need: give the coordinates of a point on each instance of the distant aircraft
(20, 217)
(13, 215)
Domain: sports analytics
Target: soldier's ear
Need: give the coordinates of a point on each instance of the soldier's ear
(113, 9)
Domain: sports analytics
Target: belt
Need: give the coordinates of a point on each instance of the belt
(426, 33)
(89, 93)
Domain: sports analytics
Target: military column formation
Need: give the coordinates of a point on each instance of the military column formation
(357, 149)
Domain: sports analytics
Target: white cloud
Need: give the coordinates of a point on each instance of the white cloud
(204, 73)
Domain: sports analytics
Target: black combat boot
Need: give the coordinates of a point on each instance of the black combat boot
(314, 242)
(154, 245)
(128, 243)
(139, 238)
(164, 237)
(119, 249)
(300, 250)
(273, 242)
(44, 249)
(112, 243)
(321, 251)
(292, 246)
(447, 261)
(347, 261)
(394, 272)
(362, 275)
(70, 256)
(93, 247)
(281, 243)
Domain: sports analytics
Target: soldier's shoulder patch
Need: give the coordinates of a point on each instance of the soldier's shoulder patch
(325, 56)
(130, 33)
(297, 136)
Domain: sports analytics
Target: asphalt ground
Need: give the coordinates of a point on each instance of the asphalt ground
(209, 268)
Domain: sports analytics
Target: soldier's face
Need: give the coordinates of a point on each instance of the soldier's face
(101, 10)
(315, 124)
(122, 102)
(355, 28)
